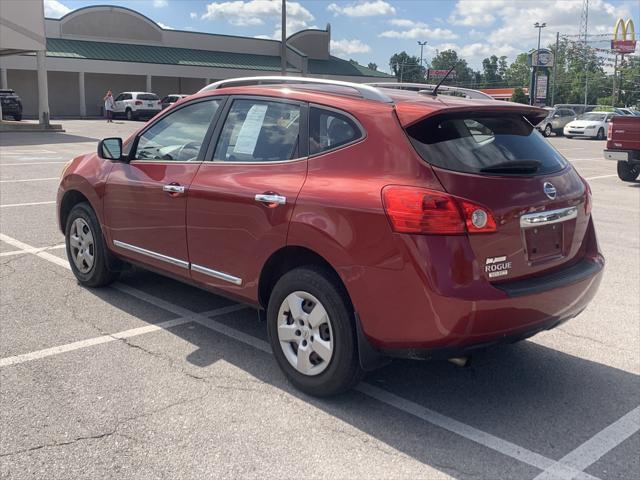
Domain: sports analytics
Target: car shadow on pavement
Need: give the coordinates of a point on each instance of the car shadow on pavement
(20, 139)
(536, 397)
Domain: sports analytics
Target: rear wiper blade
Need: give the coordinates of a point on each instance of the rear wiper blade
(519, 166)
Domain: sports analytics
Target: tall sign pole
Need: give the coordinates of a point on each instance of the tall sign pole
(555, 67)
(283, 44)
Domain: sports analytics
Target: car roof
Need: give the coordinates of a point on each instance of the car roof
(137, 93)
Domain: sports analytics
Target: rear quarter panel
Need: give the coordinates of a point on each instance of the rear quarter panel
(625, 134)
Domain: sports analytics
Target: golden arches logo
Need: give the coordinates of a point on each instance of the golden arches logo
(628, 29)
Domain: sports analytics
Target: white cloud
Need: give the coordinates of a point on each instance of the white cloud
(344, 47)
(166, 27)
(193, 15)
(416, 31)
(257, 12)
(363, 9)
(160, 3)
(55, 9)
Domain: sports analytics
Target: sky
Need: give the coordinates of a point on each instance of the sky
(373, 30)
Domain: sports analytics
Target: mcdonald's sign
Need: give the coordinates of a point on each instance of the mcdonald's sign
(624, 37)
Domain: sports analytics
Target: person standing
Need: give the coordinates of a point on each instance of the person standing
(109, 106)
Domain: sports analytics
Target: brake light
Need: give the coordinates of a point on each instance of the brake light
(423, 211)
(138, 102)
(609, 131)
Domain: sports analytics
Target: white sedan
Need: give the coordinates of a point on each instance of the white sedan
(592, 125)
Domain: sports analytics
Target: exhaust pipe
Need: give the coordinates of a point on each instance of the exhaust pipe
(460, 361)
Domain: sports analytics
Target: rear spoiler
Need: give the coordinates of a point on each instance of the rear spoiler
(410, 113)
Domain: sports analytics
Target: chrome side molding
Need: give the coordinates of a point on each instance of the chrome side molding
(216, 274)
(151, 254)
(548, 217)
(180, 263)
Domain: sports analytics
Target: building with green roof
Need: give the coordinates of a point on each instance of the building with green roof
(95, 49)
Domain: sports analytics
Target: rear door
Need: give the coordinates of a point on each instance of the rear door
(501, 162)
(145, 199)
(240, 203)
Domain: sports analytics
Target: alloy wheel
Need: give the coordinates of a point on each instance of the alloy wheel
(81, 245)
(305, 333)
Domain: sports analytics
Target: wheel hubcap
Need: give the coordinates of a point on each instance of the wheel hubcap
(81, 245)
(305, 333)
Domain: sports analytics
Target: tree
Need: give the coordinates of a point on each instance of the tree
(407, 68)
(517, 74)
(519, 96)
(446, 59)
(372, 66)
(490, 76)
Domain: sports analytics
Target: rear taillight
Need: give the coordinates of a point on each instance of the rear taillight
(419, 210)
(609, 130)
(138, 102)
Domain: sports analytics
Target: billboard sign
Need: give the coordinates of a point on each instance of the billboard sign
(543, 59)
(624, 37)
(431, 73)
(541, 87)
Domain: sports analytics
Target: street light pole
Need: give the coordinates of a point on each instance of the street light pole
(532, 97)
(422, 44)
(283, 46)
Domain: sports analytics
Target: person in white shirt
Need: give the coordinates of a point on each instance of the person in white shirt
(109, 105)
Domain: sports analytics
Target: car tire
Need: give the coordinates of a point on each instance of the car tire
(129, 114)
(547, 130)
(96, 268)
(17, 117)
(628, 173)
(600, 135)
(329, 364)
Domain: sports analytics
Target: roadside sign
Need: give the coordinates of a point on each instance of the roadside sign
(431, 73)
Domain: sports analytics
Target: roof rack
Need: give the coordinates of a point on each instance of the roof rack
(428, 88)
(366, 91)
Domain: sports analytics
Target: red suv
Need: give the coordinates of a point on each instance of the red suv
(363, 222)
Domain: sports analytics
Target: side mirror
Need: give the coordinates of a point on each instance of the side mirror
(110, 149)
(556, 116)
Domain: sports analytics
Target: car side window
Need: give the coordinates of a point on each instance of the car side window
(179, 135)
(119, 97)
(259, 131)
(329, 129)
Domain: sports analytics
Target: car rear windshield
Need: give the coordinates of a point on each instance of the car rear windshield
(5, 93)
(148, 96)
(485, 143)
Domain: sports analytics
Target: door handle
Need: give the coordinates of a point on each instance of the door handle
(173, 188)
(271, 199)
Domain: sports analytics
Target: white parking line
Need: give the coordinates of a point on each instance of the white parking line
(30, 180)
(560, 470)
(29, 163)
(134, 332)
(26, 204)
(601, 176)
(597, 446)
(33, 250)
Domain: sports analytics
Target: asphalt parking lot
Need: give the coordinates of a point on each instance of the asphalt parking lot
(151, 378)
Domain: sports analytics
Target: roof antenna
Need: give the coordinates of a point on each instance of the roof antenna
(435, 90)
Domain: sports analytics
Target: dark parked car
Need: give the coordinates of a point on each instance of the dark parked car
(171, 99)
(363, 223)
(11, 104)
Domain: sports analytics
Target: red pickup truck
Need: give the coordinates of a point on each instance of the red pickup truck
(623, 146)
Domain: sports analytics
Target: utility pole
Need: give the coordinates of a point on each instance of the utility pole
(555, 67)
(422, 44)
(613, 89)
(283, 45)
(584, 28)
(532, 98)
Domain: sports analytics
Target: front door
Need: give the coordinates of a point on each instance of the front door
(145, 199)
(240, 204)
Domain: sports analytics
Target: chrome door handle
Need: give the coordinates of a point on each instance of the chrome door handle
(173, 188)
(270, 198)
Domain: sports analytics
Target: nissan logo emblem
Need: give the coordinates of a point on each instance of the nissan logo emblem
(549, 190)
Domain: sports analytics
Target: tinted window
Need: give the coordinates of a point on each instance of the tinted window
(148, 96)
(475, 143)
(126, 96)
(329, 130)
(179, 135)
(259, 131)
(119, 97)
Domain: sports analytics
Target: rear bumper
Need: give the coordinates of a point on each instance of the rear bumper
(630, 156)
(146, 112)
(441, 303)
(11, 108)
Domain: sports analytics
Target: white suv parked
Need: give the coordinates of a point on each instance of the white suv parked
(134, 105)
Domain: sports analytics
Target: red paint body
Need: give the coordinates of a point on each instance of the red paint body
(409, 291)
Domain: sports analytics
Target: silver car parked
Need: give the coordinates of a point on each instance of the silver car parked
(556, 120)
